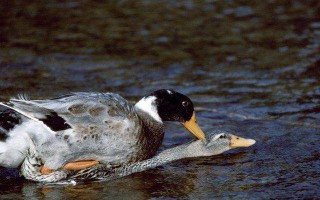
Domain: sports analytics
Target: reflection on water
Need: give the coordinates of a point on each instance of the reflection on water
(251, 68)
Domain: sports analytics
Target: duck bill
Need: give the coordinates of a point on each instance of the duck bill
(193, 127)
(240, 142)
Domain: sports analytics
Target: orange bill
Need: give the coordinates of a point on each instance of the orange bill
(240, 142)
(193, 127)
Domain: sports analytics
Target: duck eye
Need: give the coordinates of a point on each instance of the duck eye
(223, 136)
(185, 103)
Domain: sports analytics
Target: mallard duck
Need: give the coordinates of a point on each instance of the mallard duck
(216, 144)
(83, 129)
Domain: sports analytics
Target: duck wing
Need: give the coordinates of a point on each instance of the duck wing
(74, 110)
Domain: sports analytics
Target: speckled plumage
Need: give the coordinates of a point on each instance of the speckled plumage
(83, 126)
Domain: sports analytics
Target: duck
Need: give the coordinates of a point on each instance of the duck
(217, 143)
(83, 129)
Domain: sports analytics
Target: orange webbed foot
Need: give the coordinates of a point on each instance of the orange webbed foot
(78, 165)
(45, 171)
(72, 166)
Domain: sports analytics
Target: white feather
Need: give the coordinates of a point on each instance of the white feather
(27, 115)
(23, 97)
(169, 91)
(148, 105)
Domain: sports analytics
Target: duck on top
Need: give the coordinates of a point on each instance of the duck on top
(82, 129)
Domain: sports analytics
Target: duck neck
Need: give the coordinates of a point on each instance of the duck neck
(152, 134)
(164, 157)
(192, 149)
(151, 122)
(152, 127)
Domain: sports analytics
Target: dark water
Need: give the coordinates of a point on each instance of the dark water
(251, 68)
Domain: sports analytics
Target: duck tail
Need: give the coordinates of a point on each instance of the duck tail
(10, 106)
(9, 119)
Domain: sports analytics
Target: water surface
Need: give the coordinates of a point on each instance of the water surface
(251, 69)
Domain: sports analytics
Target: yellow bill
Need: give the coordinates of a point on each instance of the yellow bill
(240, 142)
(193, 127)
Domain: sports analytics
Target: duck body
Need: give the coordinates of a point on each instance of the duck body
(83, 126)
(88, 126)
(217, 143)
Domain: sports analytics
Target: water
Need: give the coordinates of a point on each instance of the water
(251, 69)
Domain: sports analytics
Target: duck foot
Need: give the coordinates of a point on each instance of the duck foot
(72, 166)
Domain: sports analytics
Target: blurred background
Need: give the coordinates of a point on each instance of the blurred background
(251, 67)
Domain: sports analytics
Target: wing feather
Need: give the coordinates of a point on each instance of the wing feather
(76, 109)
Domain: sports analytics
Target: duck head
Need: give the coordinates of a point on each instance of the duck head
(230, 141)
(217, 143)
(169, 105)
